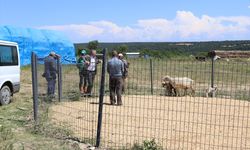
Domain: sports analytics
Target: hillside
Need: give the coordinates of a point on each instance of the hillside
(175, 48)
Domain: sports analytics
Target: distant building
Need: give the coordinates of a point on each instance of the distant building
(201, 58)
(184, 44)
(133, 55)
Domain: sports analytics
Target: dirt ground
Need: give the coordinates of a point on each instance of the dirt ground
(175, 122)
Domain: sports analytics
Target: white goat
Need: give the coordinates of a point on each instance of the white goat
(210, 91)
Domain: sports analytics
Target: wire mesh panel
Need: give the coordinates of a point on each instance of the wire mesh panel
(77, 112)
(171, 101)
(182, 120)
(72, 112)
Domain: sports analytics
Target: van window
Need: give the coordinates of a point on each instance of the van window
(8, 56)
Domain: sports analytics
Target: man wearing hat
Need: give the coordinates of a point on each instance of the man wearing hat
(125, 73)
(82, 65)
(50, 72)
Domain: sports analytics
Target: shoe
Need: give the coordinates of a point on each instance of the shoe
(52, 96)
(112, 102)
(82, 95)
(88, 94)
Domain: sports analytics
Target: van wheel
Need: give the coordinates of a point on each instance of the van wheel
(5, 95)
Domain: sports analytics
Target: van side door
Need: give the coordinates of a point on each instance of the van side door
(10, 66)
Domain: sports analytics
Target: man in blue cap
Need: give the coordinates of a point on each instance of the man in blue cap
(82, 65)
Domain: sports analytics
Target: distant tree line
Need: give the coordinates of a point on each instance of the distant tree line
(123, 48)
(167, 49)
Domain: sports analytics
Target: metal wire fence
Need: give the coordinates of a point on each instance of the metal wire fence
(212, 118)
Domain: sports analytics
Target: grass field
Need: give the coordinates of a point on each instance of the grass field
(232, 78)
(175, 122)
(18, 130)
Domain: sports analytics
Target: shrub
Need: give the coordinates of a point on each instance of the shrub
(147, 145)
(5, 133)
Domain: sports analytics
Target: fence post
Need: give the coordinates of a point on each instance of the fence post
(212, 75)
(101, 95)
(34, 85)
(151, 76)
(59, 76)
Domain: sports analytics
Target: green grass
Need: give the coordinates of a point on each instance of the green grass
(147, 145)
(18, 130)
(232, 78)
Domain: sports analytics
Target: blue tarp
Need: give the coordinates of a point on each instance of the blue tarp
(39, 41)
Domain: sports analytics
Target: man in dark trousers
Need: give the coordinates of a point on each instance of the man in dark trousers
(50, 72)
(115, 69)
(91, 71)
(125, 73)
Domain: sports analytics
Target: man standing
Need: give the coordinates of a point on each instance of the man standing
(125, 73)
(50, 72)
(115, 69)
(82, 65)
(91, 71)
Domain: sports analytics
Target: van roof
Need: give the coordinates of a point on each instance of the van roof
(8, 43)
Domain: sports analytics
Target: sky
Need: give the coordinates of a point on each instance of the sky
(133, 20)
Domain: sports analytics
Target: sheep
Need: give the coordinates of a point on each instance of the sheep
(174, 85)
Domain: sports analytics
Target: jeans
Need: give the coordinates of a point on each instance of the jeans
(51, 84)
(90, 79)
(83, 80)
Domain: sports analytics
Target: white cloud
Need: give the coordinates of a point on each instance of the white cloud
(184, 27)
(248, 6)
(79, 30)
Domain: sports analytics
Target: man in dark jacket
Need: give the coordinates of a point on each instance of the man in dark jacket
(50, 72)
(91, 71)
(115, 69)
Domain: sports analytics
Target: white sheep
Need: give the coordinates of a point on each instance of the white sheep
(174, 85)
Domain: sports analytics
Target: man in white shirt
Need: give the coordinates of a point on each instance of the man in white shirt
(91, 71)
